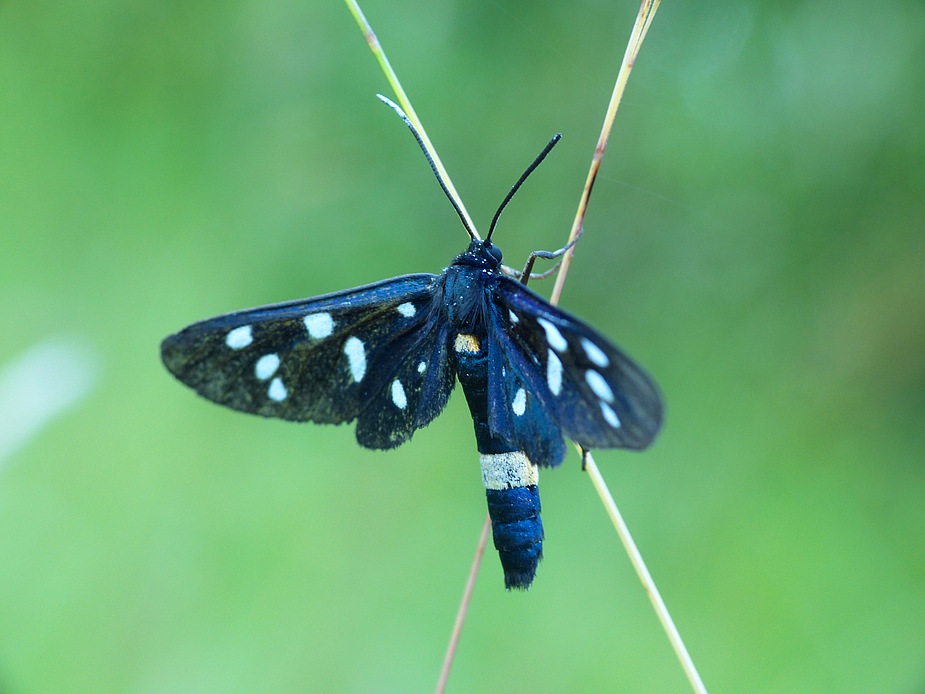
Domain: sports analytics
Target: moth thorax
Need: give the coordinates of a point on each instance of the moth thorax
(467, 343)
(508, 470)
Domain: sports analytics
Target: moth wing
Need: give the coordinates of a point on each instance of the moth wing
(598, 396)
(325, 359)
(410, 390)
(516, 411)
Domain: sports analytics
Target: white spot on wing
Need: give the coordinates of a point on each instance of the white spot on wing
(520, 402)
(319, 324)
(422, 367)
(239, 337)
(398, 395)
(406, 309)
(554, 373)
(266, 366)
(599, 385)
(277, 390)
(514, 318)
(356, 354)
(553, 336)
(595, 353)
(610, 415)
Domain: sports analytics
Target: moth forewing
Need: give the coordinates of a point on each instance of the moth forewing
(320, 351)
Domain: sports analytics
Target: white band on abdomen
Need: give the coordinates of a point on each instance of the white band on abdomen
(507, 470)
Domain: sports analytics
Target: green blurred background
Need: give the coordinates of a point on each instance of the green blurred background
(756, 239)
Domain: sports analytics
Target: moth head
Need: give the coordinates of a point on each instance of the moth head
(480, 254)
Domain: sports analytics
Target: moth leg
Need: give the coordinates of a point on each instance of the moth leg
(517, 274)
(547, 255)
(584, 458)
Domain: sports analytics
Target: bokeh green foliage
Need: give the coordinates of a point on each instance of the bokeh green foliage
(755, 239)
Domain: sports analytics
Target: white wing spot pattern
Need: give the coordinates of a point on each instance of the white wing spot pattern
(266, 366)
(519, 406)
(553, 336)
(599, 385)
(277, 390)
(595, 353)
(407, 309)
(239, 337)
(398, 395)
(610, 415)
(319, 325)
(356, 355)
(422, 367)
(554, 373)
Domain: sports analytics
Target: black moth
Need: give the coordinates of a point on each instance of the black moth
(388, 354)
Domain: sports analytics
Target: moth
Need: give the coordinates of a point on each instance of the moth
(388, 355)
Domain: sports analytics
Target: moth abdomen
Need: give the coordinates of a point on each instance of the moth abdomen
(517, 531)
(511, 487)
(509, 476)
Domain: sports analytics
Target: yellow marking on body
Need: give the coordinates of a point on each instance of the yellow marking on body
(467, 343)
(507, 470)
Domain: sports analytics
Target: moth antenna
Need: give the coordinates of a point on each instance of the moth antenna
(417, 136)
(536, 162)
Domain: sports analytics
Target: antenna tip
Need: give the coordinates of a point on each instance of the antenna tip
(386, 100)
